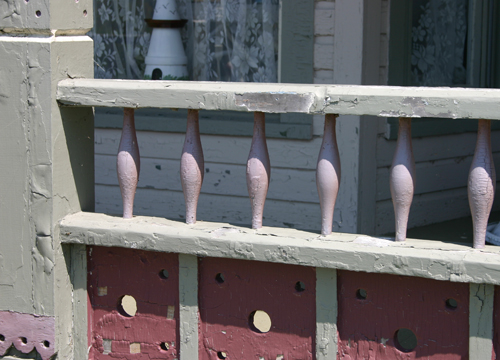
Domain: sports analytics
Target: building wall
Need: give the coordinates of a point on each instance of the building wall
(292, 199)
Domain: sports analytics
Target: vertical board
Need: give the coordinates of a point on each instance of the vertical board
(188, 309)
(230, 291)
(152, 279)
(481, 321)
(385, 316)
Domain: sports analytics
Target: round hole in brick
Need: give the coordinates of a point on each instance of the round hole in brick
(221, 355)
(164, 346)
(127, 306)
(163, 274)
(300, 286)
(46, 343)
(220, 278)
(38, 13)
(23, 340)
(361, 294)
(259, 321)
(2, 338)
(451, 304)
(405, 340)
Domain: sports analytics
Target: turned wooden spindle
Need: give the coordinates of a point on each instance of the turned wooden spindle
(128, 163)
(192, 166)
(482, 182)
(328, 174)
(402, 179)
(258, 170)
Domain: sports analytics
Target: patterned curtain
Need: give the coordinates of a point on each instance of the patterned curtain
(225, 40)
(439, 32)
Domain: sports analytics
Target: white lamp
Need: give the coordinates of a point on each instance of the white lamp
(166, 59)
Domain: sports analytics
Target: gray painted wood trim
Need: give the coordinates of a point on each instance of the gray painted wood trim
(188, 306)
(78, 275)
(421, 258)
(326, 314)
(481, 321)
(384, 101)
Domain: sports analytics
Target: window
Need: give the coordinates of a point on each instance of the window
(230, 40)
(443, 43)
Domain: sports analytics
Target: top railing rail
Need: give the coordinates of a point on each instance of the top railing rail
(383, 101)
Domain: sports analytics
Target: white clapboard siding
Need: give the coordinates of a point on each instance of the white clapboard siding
(442, 168)
(229, 209)
(428, 209)
(216, 149)
(432, 176)
(219, 179)
(435, 147)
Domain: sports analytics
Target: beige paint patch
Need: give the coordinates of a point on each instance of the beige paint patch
(262, 321)
(135, 348)
(170, 312)
(102, 291)
(129, 305)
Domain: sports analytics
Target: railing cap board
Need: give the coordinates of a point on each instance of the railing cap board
(420, 258)
(384, 101)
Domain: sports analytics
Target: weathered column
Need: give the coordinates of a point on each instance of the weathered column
(128, 163)
(328, 174)
(47, 158)
(482, 182)
(402, 179)
(258, 170)
(192, 166)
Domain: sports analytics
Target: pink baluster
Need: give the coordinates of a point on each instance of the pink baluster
(328, 174)
(402, 178)
(128, 163)
(258, 170)
(192, 166)
(482, 183)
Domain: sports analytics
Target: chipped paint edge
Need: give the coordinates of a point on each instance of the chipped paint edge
(421, 258)
(188, 307)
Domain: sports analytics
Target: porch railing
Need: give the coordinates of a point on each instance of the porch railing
(333, 100)
(328, 252)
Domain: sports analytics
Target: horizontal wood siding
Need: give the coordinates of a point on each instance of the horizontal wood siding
(292, 200)
(442, 164)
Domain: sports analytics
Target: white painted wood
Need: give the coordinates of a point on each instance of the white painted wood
(324, 18)
(258, 170)
(402, 178)
(482, 182)
(231, 209)
(219, 179)
(218, 149)
(326, 314)
(432, 176)
(328, 174)
(426, 209)
(433, 148)
(188, 307)
(481, 311)
(128, 163)
(192, 166)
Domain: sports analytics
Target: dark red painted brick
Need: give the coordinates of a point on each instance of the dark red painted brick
(136, 273)
(248, 286)
(367, 328)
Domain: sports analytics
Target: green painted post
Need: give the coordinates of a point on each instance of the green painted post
(46, 156)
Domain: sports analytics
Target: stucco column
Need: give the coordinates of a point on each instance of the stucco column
(46, 157)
